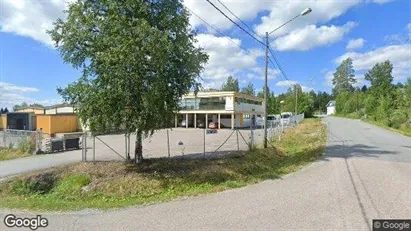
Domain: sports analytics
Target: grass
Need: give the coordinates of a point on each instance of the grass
(9, 154)
(106, 185)
(404, 130)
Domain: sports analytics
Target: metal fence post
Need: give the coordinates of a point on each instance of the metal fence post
(94, 149)
(168, 143)
(125, 146)
(83, 148)
(252, 137)
(85, 152)
(204, 142)
(238, 144)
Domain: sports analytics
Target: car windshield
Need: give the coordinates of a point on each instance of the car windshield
(286, 116)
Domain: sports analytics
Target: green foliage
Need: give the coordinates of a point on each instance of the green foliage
(71, 185)
(383, 110)
(383, 102)
(249, 89)
(27, 146)
(231, 84)
(381, 79)
(137, 59)
(37, 184)
(344, 77)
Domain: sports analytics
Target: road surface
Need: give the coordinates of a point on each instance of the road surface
(365, 174)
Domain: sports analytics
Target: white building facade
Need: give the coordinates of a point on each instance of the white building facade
(230, 109)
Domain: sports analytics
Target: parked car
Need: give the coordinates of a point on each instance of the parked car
(286, 117)
(189, 122)
(214, 125)
(200, 124)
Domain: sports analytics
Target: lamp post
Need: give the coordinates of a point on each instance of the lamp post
(303, 13)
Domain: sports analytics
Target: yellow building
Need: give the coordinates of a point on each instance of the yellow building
(3, 121)
(52, 124)
(227, 108)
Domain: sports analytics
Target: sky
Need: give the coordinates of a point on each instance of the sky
(308, 49)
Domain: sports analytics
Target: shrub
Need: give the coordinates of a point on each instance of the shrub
(38, 184)
(27, 146)
(398, 118)
(71, 185)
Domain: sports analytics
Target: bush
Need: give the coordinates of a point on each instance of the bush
(27, 146)
(38, 184)
(398, 118)
(71, 185)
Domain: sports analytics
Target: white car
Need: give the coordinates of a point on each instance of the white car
(286, 118)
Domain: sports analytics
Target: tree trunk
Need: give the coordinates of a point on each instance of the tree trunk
(138, 151)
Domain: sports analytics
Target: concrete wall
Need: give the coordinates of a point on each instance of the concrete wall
(248, 108)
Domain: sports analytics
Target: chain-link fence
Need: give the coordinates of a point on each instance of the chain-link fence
(10, 138)
(182, 142)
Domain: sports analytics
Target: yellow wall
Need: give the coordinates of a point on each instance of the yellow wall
(43, 122)
(52, 124)
(3, 121)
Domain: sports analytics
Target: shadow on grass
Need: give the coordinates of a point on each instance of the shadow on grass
(254, 166)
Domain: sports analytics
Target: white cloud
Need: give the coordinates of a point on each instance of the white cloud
(307, 89)
(282, 11)
(409, 27)
(355, 44)
(215, 18)
(380, 1)
(11, 88)
(286, 83)
(312, 36)
(11, 94)
(399, 55)
(227, 58)
(31, 18)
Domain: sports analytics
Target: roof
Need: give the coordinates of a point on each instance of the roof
(204, 94)
(332, 102)
(30, 107)
(59, 105)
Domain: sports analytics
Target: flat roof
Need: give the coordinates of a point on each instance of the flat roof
(204, 94)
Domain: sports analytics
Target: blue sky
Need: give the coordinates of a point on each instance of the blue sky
(310, 47)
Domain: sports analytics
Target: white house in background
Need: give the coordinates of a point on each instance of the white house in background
(331, 107)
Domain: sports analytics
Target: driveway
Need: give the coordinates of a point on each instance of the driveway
(364, 175)
(182, 142)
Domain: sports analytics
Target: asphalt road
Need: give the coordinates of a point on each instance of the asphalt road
(364, 175)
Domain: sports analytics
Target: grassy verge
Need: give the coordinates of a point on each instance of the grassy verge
(9, 154)
(404, 130)
(107, 185)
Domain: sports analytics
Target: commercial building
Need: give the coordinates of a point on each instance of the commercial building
(227, 108)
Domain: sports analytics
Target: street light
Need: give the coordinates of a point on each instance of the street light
(303, 13)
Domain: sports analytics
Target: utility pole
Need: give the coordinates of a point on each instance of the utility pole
(296, 99)
(265, 90)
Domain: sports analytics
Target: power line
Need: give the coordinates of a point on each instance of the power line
(245, 24)
(286, 80)
(235, 23)
(221, 33)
